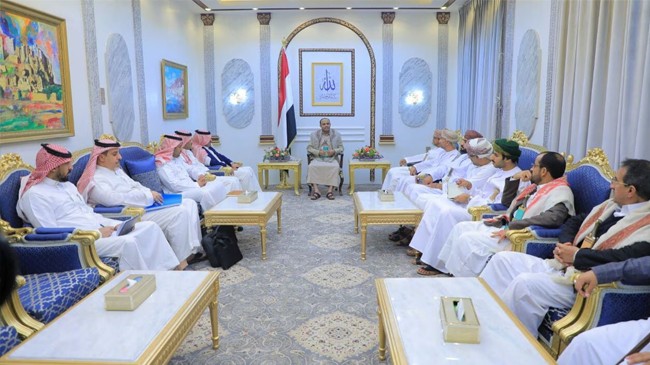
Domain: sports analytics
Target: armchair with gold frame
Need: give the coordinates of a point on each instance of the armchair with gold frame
(59, 266)
(589, 180)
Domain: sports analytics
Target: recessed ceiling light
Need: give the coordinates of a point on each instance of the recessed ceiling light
(208, 9)
(443, 8)
(301, 8)
(349, 8)
(254, 8)
(396, 8)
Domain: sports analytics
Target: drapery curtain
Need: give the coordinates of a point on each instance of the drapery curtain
(601, 92)
(480, 44)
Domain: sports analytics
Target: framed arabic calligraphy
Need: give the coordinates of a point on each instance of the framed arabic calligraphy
(326, 82)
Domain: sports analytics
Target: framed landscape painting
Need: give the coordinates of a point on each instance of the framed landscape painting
(35, 93)
(174, 90)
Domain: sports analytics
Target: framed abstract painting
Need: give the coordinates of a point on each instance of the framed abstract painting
(35, 91)
(174, 90)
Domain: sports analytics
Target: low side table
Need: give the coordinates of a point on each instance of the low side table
(294, 165)
(354, 164)
(231, 213)
(369, 210)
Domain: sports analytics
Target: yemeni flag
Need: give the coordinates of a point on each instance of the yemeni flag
(286, 131)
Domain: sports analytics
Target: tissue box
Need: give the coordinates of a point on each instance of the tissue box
(129, 299)
(247, 197)
(464, 329)
(386, 196)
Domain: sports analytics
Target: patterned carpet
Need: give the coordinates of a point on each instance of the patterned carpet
(313, 301)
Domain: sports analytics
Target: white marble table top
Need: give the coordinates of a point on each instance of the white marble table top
(356, 161)
(370, 202)
(261, 204)
(416, 305)
(90, 333)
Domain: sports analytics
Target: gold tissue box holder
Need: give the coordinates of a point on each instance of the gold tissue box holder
(386, 196)
(464, 329)
(247, 197)
(129, 299)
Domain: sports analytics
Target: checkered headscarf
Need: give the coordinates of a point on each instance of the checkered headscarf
(199, 139)
(49, 157)
(166, 151)
(85, 184)
(187, 137)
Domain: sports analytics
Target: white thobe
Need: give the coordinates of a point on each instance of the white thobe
(441, 213)
(530, 285)
(468, 248)
(425, 167)
(456, 168)
(179, 223)
(196, 169)
(605, 345)
(245, 174)
(175, 179)
(390, 182)
(59, 204)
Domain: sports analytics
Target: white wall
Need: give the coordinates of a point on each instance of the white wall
(535, 15)
(172, 30)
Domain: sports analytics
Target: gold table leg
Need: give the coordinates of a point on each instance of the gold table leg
(263, 236)
(351, 186)
(279, 214)
(382, 336)
(296, 179)
(266, 179)
(363, 240)
(260, 172)
(214, 321)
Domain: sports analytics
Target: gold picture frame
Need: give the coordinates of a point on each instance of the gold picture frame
(327, 86)
(35, 89)
(333, 65)
(174, 90)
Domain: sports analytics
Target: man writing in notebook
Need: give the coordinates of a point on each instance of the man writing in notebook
(103, 182)
(48, 199)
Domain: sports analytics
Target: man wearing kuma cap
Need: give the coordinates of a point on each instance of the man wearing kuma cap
(103, 182)
(47, 199)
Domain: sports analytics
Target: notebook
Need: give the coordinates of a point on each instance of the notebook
(169, 200)
(453, 190)
(126, 227)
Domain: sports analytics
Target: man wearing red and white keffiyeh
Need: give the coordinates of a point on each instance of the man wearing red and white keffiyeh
(47, 199)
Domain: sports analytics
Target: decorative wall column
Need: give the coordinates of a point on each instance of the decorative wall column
(92, 66)
(267, 137)
(210, 82)
(386, 136)
(139, 72)
(506, 89)
(443, 56)
(553, 34)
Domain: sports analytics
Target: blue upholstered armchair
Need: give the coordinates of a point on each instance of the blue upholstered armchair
(589, 180)
(59, 266)
(608, 304)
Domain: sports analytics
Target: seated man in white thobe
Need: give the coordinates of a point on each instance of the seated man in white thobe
(47, 199)
(478, 188)
(447, 141)
(529, 286)
(452, 169)
(547, 202)
(609, 344)
(103, 182)
(391, 180)
(195, 168)
(206, 154)
(176, 180)
(325, 146)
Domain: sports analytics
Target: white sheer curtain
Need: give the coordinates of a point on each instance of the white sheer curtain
(601, 93)
(480, 38)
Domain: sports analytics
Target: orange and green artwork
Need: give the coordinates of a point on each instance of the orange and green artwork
(34, 88)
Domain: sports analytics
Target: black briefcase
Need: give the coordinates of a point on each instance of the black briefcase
(221, 247)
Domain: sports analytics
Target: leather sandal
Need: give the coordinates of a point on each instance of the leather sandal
(428, 271)
(315, 196)
(412, 252)
(330, 196)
